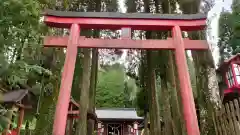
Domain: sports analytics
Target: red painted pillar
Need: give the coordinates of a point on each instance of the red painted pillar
(189, 111)
(66, 82)
(20, 120)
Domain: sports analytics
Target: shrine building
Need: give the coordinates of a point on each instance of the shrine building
(118, 121)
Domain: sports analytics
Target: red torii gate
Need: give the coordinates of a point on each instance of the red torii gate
(126, 22)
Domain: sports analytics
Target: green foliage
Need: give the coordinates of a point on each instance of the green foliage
(111, 91)
(141, 101)
(142, 95)
(18, 73)
(130, 91)
(4, 118)
(225, 32)
(229, 30)
(20, 34)
(235, 40)
(192, 74)
(46, 117)
(21, 56)
(17, 20)
(111, 5)
(76, 89)
(131, 6)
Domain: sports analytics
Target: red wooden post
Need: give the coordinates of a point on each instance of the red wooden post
(99, 127)
(234, 74)
(135, 127)
(99, 131)
(20, 120)
(126, 43)
(185, 85)
(66, 82)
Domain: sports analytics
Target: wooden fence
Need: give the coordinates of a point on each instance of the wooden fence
(227, 119)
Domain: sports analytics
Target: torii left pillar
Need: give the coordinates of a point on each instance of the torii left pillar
(60, 119)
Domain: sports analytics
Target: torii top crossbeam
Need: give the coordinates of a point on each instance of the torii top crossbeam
(126, 22)
(135, 21)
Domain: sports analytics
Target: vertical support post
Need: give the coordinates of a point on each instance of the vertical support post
(123, 125)
(226, 78)
(234, 74)
(126, 33)
(189, 111)
(66, 82)
(135, 128)
(20, 120)
(70, 126)
(99, 127)
(99, 131)
(70, 121)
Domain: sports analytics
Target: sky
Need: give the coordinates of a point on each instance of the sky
(215, 13)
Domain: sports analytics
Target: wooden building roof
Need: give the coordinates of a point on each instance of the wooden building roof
(13, 96)
(22, 98)
(227, 62)
(118, 114)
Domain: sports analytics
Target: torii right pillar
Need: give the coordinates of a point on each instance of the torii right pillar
(185, 84)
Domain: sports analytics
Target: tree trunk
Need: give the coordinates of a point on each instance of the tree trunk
(178, 124)
(155, 128)
(205, 85)
(143, 86)
(92, 89)
(154, 111)
(94, 73)
(173, 117)
(146, 129)
(46, 117)
(167, 112)
(27, 130)
(48, 102)
(84, 97)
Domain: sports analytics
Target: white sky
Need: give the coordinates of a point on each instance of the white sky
(215, 13)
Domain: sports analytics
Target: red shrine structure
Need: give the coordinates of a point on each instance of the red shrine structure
(229, 72)
(75, 21)
(118, 121)
(73, 113)
(19, 101)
